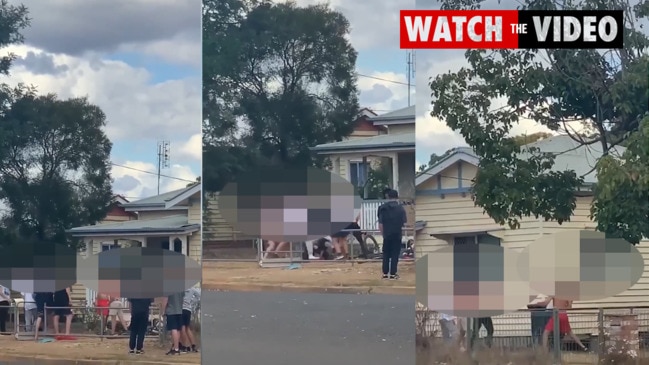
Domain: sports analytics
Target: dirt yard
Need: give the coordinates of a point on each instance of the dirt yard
(92, 348)
(310, 274)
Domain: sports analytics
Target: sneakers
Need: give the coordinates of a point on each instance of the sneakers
(139, 352)
(394, 277)
(194, 349)
(173, 352)
(132, 352)
(385, 276)
(184, 349)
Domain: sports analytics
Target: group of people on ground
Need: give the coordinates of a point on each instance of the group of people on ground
(392, 218)
(453, 328)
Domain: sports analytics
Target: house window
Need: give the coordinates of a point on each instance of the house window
(484, 239)
(178, 245)
(357, 173)
(107, 246)
(164, 245)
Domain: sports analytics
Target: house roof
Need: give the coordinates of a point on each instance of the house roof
(175, 224)
(570, 155)
(384, 142)
(165, 200)
(406, 114)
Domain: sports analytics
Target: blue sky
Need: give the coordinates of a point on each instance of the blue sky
(161, 72)
(145, 74)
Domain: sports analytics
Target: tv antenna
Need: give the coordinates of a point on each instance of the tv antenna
(410, 72)
(164, 152)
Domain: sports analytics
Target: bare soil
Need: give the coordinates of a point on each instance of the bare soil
(310, 274)
(92, 348)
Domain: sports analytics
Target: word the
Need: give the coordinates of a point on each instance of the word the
(511, 29)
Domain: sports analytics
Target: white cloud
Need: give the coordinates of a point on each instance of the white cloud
(183, 49)
(138, 179)
(192, 149)
(139, 111)
(135, 107)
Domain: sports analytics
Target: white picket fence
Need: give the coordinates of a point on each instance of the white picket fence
(369, 220)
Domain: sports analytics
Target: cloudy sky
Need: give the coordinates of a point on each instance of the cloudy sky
(140, 61)
(375, 37)
(433, 136)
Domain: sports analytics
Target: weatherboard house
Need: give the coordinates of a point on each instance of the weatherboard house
(451, 217)
(170, 221)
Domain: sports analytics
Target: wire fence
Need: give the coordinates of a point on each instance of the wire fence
(87, 322)
(608, 335)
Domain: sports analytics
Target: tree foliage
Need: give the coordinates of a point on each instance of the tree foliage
(622, 206)
(278, 79)
(597, 97)
(54, 166)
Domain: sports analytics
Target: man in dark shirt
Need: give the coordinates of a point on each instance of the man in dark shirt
(139, 322)
(392, 218)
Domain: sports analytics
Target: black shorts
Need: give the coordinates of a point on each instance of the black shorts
(187, 318)
(62, 311)
(343, 234)
(42, 300)
(174, 322)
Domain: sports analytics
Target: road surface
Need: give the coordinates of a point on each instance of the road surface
(268, 328)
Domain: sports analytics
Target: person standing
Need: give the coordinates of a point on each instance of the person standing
(139, 322)
(30, 311)
(5, 303)
(392, 218)
(564, 323)
(173, 305)
(61, 304)
(488, 325)
(43, 300)
(540, 313)
(191, 302)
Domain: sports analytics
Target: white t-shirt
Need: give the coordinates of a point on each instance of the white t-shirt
(5, 294)
(446, 317)
(29, 301)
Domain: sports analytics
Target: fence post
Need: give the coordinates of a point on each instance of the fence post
(16, 320)
(556, 336)
(601, 343)
(44, 320)
(102, 325)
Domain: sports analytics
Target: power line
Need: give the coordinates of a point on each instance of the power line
(386, 80)
(151, 173)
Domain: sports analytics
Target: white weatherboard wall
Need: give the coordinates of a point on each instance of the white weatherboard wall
(456, 213)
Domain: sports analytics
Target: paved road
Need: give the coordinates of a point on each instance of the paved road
(298, 328)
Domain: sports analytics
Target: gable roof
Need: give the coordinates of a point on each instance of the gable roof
(400, 116)
(383, 142)
(452, 157)
(570, 155)
(171, 224)
(165, 200)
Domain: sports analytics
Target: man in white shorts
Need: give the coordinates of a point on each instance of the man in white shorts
(116, 311)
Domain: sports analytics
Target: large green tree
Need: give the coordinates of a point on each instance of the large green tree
(597, 97)
(54, 166)
(278, 79)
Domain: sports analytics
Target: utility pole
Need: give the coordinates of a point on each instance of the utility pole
(163, 158)
(410, 70)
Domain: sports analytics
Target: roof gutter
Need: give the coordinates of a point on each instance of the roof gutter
(184, 229)
(363, 148)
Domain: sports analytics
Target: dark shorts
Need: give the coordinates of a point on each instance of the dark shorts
(174, 322)
(62, 311)
(42, 300)
(187, 318)
(343, 234)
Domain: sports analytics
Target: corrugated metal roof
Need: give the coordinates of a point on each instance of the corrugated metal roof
(170, 222)
(399, 114)
(570, 155)
(158, 200)
(387, 141)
